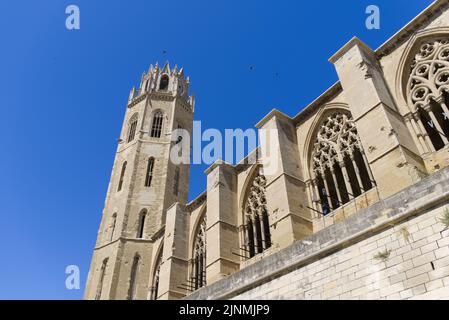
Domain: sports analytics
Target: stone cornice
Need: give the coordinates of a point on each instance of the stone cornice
(351, 43)
(420, 20)
(160, 96)
(273, 113)
(198, 201)
(216, 164)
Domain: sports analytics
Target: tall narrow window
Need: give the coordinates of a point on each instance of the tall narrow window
(257, 225)
(132, 128)
(149, 175)
(156, 128)
(112, 226)
(176, 182)
(198, 268)
(133, 279)
(100, 281)
(164, 82)
(155, 283)
(142, 219)
(122, 176)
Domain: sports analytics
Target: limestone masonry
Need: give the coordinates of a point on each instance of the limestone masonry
(353, 210)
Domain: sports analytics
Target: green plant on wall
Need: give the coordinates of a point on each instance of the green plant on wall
(383, 255)
(405, 233)
(445, 219)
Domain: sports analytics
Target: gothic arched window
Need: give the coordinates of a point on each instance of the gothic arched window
(132, 126)
(122, 176)
(163, 85)
(156, 127)
(427, 94)
(141, 230)
(198, 274)
(101, 279)
(339, 166)
(257, 225)
(157, 270)
(112, 226)
(149, 175)
(133, 278)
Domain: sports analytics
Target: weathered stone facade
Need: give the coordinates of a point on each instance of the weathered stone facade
(352, 210)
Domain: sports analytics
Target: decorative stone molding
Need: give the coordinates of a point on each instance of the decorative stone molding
(429, 76)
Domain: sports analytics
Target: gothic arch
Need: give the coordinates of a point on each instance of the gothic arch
(164, 82)
(422, 82)
(337, 164)
(132, 127)
(255, 215)
(201, 215)
(155, 270)
(315, 127)
(133, 278)
(407, 57)
(157, 127)
(199, 252)
(245, 188)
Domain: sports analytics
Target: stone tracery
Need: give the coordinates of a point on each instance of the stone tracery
(257, 227)
(427, 95)
(339, 166)
(198, 275)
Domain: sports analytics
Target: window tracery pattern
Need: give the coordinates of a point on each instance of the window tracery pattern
(427, 95)
(340, 169)
(257, 226)
(198, 274)
(156, 127)
(132, 126)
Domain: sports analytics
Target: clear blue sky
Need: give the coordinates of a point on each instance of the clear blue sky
(63, 96)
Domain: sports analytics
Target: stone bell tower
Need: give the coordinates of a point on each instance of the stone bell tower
(143, 184)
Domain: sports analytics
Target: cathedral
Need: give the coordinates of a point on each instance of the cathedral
(357, 207)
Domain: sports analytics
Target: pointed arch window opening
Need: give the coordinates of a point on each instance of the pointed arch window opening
(154, 290)
(427, 94)
(132, 129)
(101, 279)
(141, 230)
(198, 267)
(257, 226)
(133, 278)
(122, 176)
(149, 174)
(163, 85)
(156, 127)
(340, 169)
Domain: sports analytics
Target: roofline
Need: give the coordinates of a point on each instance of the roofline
(398, 36)
(423, 14)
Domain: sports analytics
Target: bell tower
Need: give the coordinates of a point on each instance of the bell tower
(144, 183)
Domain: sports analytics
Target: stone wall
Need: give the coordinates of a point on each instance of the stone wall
(339, 262)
